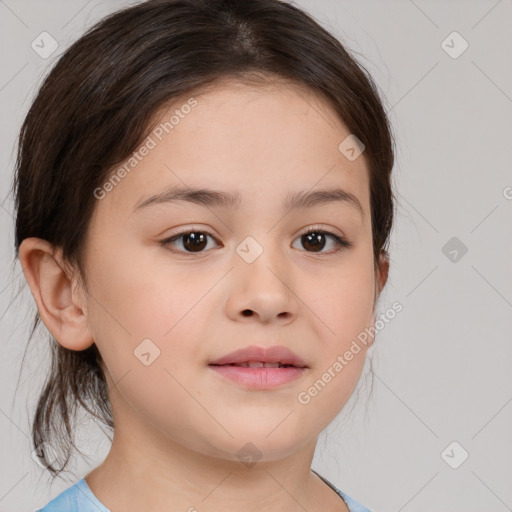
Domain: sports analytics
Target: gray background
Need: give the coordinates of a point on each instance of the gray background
(442, 366)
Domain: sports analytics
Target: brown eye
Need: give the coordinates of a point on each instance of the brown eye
(316, 239)
(192, 241)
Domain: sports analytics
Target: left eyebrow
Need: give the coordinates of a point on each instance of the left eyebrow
(217, 198)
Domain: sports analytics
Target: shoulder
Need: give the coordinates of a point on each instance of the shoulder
(352, 504)
(77, 498)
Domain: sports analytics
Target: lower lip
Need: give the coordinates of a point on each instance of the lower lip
(259, 378)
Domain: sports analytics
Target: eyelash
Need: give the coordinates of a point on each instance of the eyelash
(341, 242)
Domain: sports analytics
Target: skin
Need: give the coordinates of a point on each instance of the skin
(178, 424)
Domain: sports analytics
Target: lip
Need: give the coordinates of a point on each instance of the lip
(275, 354)
(260, 377)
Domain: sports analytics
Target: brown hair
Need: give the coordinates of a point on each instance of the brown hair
(96, 105)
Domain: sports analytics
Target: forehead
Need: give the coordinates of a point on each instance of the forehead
(263, 141)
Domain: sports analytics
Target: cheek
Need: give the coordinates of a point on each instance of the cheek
(343, 310)
(343, 300)
(144, 328)
(142, 305)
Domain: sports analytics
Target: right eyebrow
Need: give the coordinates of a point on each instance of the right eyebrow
(201, 196)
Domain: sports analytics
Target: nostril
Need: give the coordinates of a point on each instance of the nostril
(247, 312)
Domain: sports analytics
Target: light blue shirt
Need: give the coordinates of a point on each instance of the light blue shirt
(79, 498)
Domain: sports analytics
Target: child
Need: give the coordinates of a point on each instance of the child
(243, 128)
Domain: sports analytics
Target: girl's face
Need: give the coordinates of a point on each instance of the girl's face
(159, 312)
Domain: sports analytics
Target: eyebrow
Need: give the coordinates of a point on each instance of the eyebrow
(216, 198)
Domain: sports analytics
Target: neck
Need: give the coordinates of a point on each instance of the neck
(142, 473)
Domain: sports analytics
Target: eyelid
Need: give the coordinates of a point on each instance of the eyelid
(319, 227)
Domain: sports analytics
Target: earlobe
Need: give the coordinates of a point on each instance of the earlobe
(61, 310)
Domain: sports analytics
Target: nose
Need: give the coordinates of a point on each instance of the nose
(262, 290)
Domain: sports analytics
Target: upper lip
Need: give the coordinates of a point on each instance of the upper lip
(276, 354)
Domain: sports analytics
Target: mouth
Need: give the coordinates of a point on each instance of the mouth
(260, 368)
(259, 364)
(258, 357)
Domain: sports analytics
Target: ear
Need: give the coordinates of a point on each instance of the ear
(62, 308)
(381, 277)
(382, 273)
